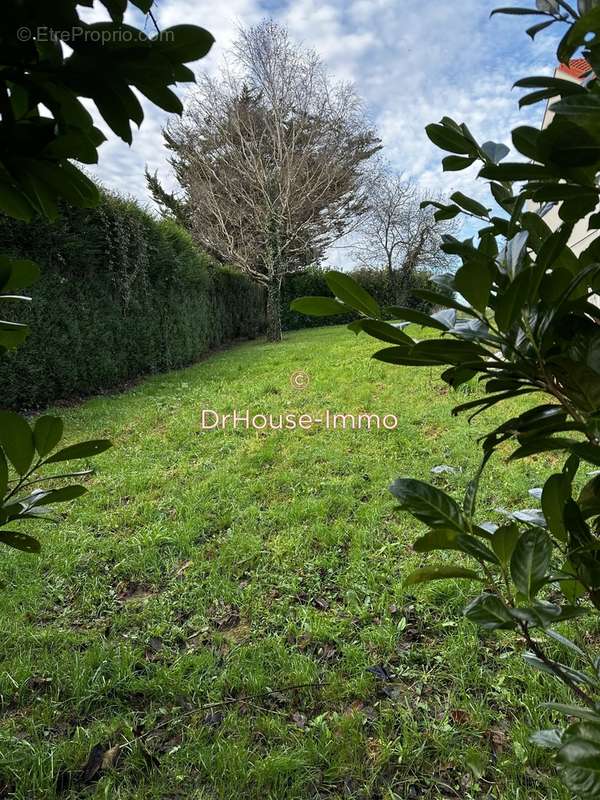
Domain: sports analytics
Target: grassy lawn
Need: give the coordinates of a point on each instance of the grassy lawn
(208, 572)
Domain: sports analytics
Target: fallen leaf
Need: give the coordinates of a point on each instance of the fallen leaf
(110, 757)
(93, 764)
(497, 738)
(459, 716)
(129, 592)
(214, 718)
(380, 673)
(183, 568)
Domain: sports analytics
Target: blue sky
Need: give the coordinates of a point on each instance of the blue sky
(412, 61)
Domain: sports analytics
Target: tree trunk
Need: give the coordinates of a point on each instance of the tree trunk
(274, 311)
(402, 288)
(392, 278)
(404, 285)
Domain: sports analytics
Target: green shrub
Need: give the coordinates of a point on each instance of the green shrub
(123, 295)
(312, 282)
(520, 316)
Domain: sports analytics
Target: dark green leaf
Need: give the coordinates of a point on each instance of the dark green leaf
(587, 451)
(474, 282)
(554, 497)
(428, 504)
(444, 539)
(385, 332)
(589, 498)
(449, 139)
(20, 541)
(81, 450)
(3, 474)
(457, 163)
(526, 140)
(470, 205)
(515, 171)
(319, 306)
(418, 317)
(517, 11)
(403, 355)
(489, 612)
(504, 541)
(17, 440)
(535, 29)
(22, 273)
(579, 757)
(14, 203)
(576, 35)
(513, 300)
(350, 292)
(47, 433)
(184, 43)
(530, 561)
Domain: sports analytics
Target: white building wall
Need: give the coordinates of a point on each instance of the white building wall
(582, 236)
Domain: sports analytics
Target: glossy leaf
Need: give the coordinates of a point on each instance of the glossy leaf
(418, 317)
(470, 205)
(579, 757)
(16, 439)
(346, 289)
(555, 494)
(81, 450)
(550, 739)
(504, 542)
(385, 332)
(428, 504)
(448, 139)
(20, 541)
(474, 282)
(319, 306)
(530, 561)
(47, 433)
(489, 612)
(443, 539)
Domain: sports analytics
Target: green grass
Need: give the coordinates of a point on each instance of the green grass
(217, 566)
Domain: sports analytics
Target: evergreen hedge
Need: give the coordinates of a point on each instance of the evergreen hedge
(122, 295)
(311, 282)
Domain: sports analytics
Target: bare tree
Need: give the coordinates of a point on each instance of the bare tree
(270, 157)
(397, 234)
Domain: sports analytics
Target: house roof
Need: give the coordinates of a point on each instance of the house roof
(578, 68)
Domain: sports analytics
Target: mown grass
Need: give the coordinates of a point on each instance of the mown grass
(223, 567)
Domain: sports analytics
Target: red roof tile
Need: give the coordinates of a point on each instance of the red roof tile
(578, 68)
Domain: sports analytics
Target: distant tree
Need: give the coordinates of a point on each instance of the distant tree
(270, 158)
(397, 234)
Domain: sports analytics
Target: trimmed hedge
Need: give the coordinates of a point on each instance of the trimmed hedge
(312, 282)
(121, 294)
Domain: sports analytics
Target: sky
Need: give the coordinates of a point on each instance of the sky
(412, 61)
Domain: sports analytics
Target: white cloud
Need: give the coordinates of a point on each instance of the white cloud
(412, 62)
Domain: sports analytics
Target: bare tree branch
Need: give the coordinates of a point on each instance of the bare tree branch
(396, 234)
(271, 159)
